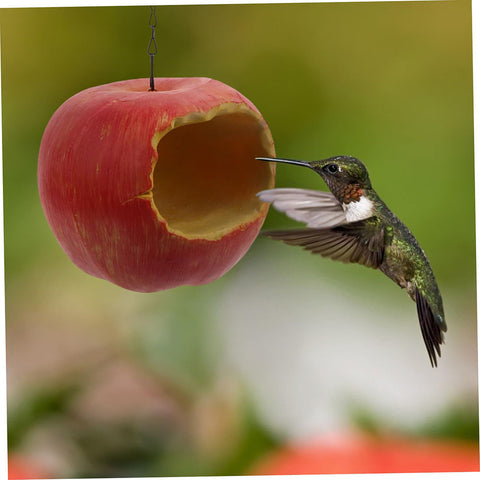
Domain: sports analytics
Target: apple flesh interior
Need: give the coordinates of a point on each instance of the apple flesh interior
(206, 178)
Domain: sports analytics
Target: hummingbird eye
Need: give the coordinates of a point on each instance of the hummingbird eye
(331, 168)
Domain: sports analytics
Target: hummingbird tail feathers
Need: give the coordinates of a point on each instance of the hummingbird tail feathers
(430, 326)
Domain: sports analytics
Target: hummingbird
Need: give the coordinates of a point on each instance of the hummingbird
(353, 225)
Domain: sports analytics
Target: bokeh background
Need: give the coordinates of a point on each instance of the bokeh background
(287, 350)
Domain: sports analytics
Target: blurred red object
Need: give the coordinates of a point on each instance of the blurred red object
(20, 468)
(369, 454)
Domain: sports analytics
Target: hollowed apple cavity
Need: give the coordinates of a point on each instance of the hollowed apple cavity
(206, 178)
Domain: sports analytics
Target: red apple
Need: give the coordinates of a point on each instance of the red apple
(370, 454)
(155, 189)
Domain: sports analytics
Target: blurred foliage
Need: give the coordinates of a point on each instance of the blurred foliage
(128, 447)
(390, 83)
(456, 422)
(38, 405)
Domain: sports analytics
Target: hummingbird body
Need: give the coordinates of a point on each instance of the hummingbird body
(352, 224)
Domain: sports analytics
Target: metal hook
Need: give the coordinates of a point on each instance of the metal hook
(152, 44)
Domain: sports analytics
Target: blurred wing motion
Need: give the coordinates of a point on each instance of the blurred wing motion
(316, 209)
(329, 235)
(357, 242)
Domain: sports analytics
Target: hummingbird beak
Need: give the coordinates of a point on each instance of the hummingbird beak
(284, 160)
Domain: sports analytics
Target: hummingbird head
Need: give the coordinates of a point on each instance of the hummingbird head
(346, 177)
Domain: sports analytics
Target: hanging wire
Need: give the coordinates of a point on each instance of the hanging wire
(152, 44)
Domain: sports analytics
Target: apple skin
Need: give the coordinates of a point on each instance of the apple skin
(99, 162)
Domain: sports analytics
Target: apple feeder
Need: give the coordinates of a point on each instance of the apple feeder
(155, 189)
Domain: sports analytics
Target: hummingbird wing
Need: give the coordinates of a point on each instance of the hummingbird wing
(431, 327)
(360, 242)
(315, 208)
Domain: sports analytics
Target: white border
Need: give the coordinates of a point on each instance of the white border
(476, 76)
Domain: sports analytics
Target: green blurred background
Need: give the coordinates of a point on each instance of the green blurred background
(286, 347)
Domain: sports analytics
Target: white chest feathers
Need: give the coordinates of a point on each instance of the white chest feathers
(355, 211)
